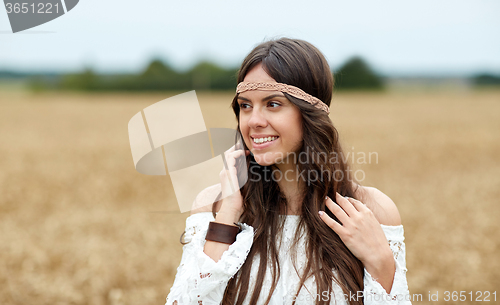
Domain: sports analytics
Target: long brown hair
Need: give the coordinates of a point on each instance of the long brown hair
(298, 63)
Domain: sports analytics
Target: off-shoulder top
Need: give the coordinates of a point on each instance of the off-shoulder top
(201, 280)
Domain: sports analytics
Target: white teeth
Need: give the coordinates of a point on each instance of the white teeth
(263, 140)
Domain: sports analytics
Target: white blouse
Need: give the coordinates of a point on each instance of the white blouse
(201, 280)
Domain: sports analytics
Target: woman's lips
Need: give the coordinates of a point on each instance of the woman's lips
(259, 146)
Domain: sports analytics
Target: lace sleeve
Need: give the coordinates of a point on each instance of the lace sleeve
(199, 279)
(374, 293)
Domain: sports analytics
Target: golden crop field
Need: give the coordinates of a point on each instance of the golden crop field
(79, 225)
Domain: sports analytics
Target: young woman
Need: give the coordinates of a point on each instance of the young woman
(307, 232)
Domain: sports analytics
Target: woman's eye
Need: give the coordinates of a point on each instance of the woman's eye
(243, 105)
(275, 104)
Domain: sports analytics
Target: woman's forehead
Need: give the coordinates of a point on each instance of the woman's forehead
(258, 75)
(258, 95)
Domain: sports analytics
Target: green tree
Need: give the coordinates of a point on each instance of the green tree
(486, 80)
(355, 74)
(206, 75)
(159, 76)
(88, 80)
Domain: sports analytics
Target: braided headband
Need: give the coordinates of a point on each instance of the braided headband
(292, 90)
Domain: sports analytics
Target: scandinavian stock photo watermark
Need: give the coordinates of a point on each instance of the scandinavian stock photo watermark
(326, 166)
(430, 296)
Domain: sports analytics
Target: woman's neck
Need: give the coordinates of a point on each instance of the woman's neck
(292, 186)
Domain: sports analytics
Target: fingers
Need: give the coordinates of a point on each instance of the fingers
(357, 204)
(236, 147)
(336, 210)
(231, 149)
(344, 209)
(345, 204)
(337, 227)
(230, 158)
(239, 144)
(229, 173)
(229, 181)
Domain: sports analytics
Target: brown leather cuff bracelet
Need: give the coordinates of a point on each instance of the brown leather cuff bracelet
(222, 233)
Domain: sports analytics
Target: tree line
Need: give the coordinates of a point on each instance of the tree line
(354, 74)
(159, 76)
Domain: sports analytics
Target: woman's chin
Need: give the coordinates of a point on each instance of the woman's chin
(266, 159)
(264, 163)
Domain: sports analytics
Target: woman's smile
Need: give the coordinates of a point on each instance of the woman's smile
(261, 142)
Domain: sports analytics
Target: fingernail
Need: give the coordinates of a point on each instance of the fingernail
(326, 198)
(320, 213)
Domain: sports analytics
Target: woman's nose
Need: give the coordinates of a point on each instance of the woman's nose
(257, 119)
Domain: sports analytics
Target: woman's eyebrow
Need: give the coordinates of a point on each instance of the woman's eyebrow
(264, 99)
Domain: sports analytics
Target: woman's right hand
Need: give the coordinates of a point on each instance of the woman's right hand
(232, 201)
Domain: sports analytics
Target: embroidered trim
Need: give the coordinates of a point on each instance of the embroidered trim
(292, 90)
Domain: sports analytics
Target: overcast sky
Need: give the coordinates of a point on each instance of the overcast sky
(395, 37)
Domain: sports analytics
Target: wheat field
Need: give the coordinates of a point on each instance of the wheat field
(78, 224)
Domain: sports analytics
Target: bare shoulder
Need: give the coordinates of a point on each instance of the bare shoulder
(206, 199)
(382, 206)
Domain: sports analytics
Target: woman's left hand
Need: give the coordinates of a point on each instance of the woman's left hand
(359, 230)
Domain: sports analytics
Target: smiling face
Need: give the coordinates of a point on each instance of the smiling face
(270, 124)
